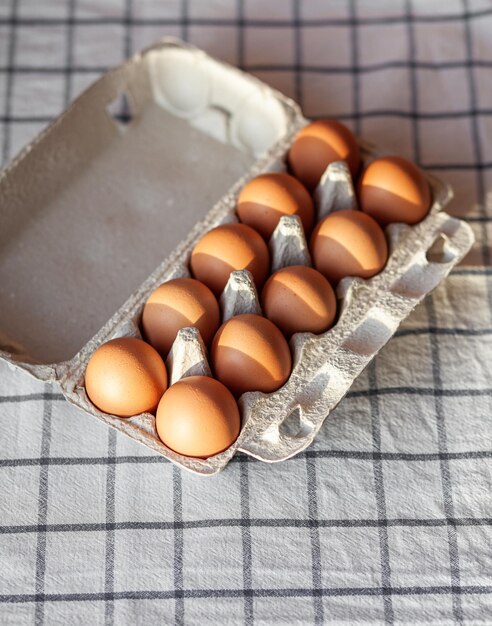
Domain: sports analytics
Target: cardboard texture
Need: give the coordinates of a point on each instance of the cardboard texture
(101, 208)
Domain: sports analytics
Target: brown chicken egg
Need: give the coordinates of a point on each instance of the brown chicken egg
(392, 189)
(176, 304)
(266, 198)
(249, 353)
(198, 416)
(299, 299)
(317, 145)
(125, 377)
(348, 243)
(228, 248)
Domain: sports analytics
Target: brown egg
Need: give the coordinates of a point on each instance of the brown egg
(198, 416)
(317, 145)
(227, 248)
(299, 299)
(125, 377)
(249, 353)
(392, 189)
(264, 200)
(176, 304)
(348, 243)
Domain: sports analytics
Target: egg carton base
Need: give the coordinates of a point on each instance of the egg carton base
(279, 425)
(261, 124)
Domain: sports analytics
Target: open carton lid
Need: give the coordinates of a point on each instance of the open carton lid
(107, 192)
(92, 214)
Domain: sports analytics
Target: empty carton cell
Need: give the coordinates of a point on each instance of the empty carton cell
(107, 207)
(417, 281)
(317, 387)
(120, 110)
(119, 212)
(114, 186)
(371, 335)
(440, 251)
(181, 82)
(293, 426)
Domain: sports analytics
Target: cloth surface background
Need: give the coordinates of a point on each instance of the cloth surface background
(388, 516)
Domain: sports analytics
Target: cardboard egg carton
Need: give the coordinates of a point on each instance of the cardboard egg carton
(95, 203)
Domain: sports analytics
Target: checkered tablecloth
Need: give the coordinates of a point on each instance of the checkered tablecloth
(388, 516)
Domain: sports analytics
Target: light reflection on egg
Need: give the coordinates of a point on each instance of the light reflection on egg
(176, 304)
(228, 248)
(299, 299)
(348, 243)
(392, 189)
(266, 198)
(317, 145)
(125, 377)
(198, 417)
(249, 353)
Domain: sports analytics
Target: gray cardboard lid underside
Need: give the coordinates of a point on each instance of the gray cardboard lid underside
(93, 207)
(126, 195)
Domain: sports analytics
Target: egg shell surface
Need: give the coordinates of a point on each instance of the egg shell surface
(317, 145)
(348, 243)
(177, 304)
(228, 248)
(249, 353)
(266, 198)
(392, 189)
(198, 416)
(299, 299)
(125, 377)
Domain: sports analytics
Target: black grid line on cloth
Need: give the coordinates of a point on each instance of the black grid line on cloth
(42, 511)
(454, 566)
(41, 551)
(128, 21)
(311, 467)
(178, 536)
(32, 397)
(313, 525)
(240, 35)
(110, 529)
(314, 69)
(68, 71)
(245, 521)
(380, 495)
(249, 22)
(110, 547)
(477, 148)
(298, 55)
(474, 271)
(185, 20)
(447, 486)
(19, 119)
(354, 66)
(246, 545)
(327, 454)
(256, 593)
(381, 391)
(178, 546)
(14, 6)
(241, 522)
(290, 592)
(368, 69)
(372, 378)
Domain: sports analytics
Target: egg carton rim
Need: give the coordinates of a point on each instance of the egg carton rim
(262, 436)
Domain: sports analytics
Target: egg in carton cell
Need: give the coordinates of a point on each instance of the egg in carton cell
(238, 110)
(188, 355)
(278, 425)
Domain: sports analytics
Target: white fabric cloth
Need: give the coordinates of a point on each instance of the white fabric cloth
(388, 516)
